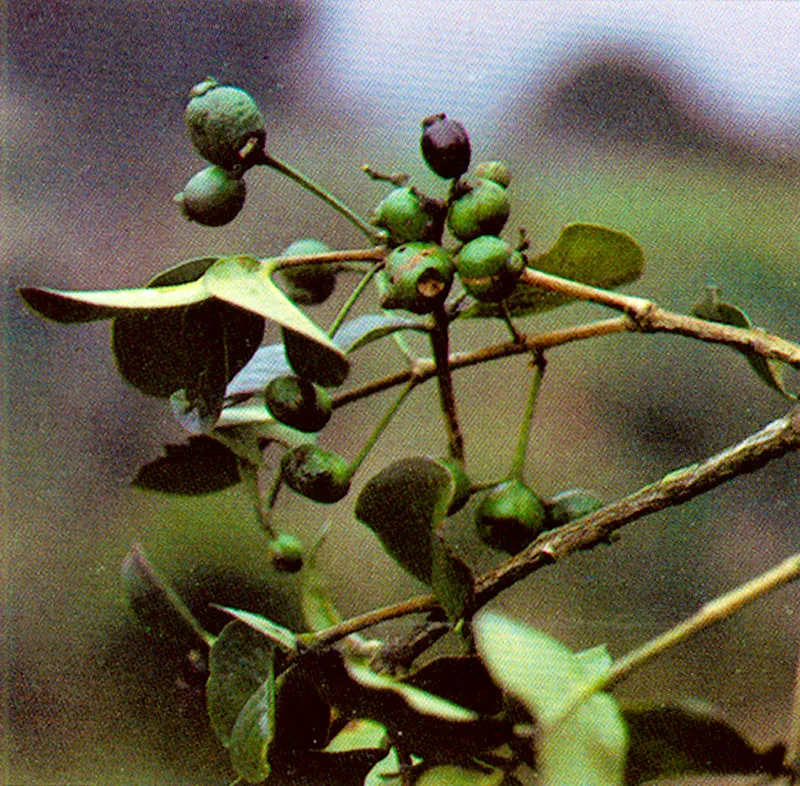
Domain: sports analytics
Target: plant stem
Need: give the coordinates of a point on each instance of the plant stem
(521, 451)
(263, 516)
(380, 428)
(377, 236)
(351, 301)
(712, 612)
(440, 343)
(792, 758)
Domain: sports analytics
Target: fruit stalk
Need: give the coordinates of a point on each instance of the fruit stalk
(440, 343)
(377, 236)
(523, 440)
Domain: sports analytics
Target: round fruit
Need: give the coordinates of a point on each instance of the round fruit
(225, 125)
(408, 217)
(510, 516)
(286, 553)
(212, 197)
(569, 505)
(445, 146)
(463, 485)
(420, 276)
(494, 170)
(481, 210)
(298, 403)
(315, 473)
(308, 285)
(489, 268)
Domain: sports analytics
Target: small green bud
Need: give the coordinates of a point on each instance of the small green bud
(286, 553)
(510, 516)
(298, 403)
(489, 268)
(212, 197)
(482, 209)
(315, 473)
(420, 276)
(225, 125)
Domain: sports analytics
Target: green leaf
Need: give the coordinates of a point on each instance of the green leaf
(711, 308)
(314, 361)
(585, 253)
(451, 578)
(581, 735)
(277, 634)
(672, 741)
(453, 775)
(386, 772)
(302, 716)
(253, 732)
(403, 505)
(240, 662)
(245, 282)
(200, 466)
(315, 768)
(359, 734)
(87, 306)
(157, 606)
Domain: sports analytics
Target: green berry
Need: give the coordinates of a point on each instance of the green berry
(420, 276)
(212, 197)
(494, 170)
(489, 268)
(408, 216)
(481, 209)
(510, 516)
(315, 473)
(286, 553)
(569, 505)
(225, 125)
(298, 403)
(308, 285)
(445, 146)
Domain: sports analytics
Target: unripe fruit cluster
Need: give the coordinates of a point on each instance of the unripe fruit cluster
(227, 129)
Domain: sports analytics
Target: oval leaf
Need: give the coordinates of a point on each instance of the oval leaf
(277, 634)
(403, 504)
(200, 466)
(451, 578)
(253, 732)
(357, 333)
(240, 661)
(585, 253)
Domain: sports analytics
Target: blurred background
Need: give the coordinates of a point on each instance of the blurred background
(678, 123)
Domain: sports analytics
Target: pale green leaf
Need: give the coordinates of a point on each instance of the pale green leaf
(581, 735)
(277, 634)
(386, 772)
(363, 330)
(358, 734)
(86, 306)
(453, 775)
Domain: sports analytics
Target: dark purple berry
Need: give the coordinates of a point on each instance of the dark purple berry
(445, 146)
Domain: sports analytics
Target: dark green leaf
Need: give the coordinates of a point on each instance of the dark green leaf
(711, 308)
(403, 504)
(451, 579)
(253, 732)
(302, 716)
(154, 602)
(200, 466)
(313, 360)
(318, 768)
(585, 253)
(240, 662)
(671, 741)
